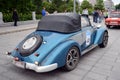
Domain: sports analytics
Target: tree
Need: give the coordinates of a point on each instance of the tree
(117, 7)
(23, 6)
(38, 4)
(50, 7)
(69, 6)
(57, 2)
(86, 4)
(99, 5)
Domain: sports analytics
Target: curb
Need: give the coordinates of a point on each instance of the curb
(19, 30)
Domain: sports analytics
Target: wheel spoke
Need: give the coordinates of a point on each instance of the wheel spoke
(69, 59)
(72, 58)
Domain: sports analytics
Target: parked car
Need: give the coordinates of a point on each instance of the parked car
(113, 20)
(59, 41)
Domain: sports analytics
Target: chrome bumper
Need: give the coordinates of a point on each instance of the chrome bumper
(41, 68)
(34, 67)
(26, 65)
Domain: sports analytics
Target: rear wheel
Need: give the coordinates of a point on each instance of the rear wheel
(104, 40)
(72, 59)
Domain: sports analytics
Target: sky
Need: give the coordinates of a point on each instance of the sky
(114, 1)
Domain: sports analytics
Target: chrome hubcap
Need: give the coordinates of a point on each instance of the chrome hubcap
(29, 43)
(72, 58)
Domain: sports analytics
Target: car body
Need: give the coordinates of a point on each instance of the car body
(113, 20)
(59, 41)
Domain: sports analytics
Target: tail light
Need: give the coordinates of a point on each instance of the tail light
(16, 59)
(8, 53)
(36, 54)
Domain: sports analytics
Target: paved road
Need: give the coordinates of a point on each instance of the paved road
(99, 64)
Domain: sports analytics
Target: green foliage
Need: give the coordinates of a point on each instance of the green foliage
(99, 5)
(38, 16)
(7, 17)
(90, 10)
(85, 4)
(25, 7)
(24, 17)
(49, 6)
(38, 4)
(58, 3)
(70, 6)
(117, 7)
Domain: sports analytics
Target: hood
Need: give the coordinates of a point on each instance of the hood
(112, 19)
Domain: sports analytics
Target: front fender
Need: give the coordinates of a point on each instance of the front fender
(99, 35)
(58, 55)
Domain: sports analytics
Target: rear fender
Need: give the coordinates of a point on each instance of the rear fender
(99, 35)
(58, 55)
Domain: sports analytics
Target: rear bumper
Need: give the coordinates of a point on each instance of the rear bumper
(31, 66)
(41, 68)
(34, 67)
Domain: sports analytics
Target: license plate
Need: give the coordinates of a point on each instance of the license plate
(19, 64)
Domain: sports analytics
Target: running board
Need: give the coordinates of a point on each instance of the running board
(88, 49)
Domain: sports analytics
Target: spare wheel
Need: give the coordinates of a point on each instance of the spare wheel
(30, 44)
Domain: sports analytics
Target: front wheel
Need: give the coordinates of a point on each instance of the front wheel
(72, 59)
(104, 40)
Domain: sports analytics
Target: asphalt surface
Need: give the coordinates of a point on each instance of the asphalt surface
(98, 64)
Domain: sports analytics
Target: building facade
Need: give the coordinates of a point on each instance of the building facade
(109, 5)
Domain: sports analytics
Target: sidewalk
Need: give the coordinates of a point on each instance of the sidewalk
(6, 28)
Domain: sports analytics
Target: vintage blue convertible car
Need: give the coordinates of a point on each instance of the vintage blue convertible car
(59, 41)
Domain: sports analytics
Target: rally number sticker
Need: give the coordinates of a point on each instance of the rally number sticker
(88, 38)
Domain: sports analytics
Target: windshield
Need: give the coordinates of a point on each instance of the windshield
(115, 15)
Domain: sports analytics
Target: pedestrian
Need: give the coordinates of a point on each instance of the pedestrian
(100, 16)
(105, 14)
(85, 12)
(95, 16)
(43, 11)
(15, 17)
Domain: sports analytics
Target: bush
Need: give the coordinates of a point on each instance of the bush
(7, 17)
(38, 16)
(24, 17)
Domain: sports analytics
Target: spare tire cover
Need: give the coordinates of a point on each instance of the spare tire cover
(30, 44)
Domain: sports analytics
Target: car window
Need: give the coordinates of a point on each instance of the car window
(84, 22)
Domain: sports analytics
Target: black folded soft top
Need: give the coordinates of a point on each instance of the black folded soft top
(60, 22)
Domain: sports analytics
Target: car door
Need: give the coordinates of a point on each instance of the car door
(88, 33)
